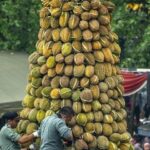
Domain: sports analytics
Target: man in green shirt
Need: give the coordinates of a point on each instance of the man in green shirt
(9, 138)
(53, 130)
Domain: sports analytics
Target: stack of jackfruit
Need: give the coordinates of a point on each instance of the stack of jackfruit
(75, 64)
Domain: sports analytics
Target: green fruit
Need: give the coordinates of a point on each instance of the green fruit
(66, 49)
(36, 82)
(32, 115)
(35, 72)
(115, 137)
(46, 91)
(38, 92)
(41, 60)
(66, 102)
(55, 105)
(44, 104)
(65, 93)
(102, 142)
(96, 105)
(24, 125)
(76, 95)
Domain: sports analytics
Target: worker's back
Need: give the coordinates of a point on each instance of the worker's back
(52, 130)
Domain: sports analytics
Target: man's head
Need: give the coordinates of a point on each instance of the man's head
(11, 118)
(66, 113)
(146, 146)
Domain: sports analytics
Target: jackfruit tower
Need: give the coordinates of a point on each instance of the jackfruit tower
(75, 64)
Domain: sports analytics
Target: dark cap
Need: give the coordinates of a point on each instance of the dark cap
(10, 115)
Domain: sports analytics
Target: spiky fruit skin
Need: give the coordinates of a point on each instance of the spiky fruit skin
(76, 65)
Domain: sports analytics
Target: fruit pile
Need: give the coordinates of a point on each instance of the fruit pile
(75, 64)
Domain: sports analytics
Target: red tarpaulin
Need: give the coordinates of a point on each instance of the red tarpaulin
(133, 82)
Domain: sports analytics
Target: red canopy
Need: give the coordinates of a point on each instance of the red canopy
(133, 82)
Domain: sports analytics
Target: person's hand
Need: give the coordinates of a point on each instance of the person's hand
(67, 143)
(35, 134)
(31, 147)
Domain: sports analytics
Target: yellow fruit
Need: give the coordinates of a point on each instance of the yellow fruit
(77, 107)
(108, 119)
(65, 34)
(112, 146)
(40, 115)
(31, 128)
(108, 55)
(63, 19)
(49, 113)
(88, 137)
(28, 101)
(115, 137)
(73, 21)
(55, 93)
(107, 129)
(86, 107)
(77, 131)
(81, 119)
(50, 62)
(90, 127)
(89, 71)
(25, 112)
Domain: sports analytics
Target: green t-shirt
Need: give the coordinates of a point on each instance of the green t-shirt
(9, 138)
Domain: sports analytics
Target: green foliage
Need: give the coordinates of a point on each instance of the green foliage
(19, 24)
(134, 34)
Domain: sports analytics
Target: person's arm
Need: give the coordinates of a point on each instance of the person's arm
(15, 137)
(64, 131)
(25, 138)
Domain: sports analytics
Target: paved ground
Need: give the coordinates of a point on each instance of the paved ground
(13, 77)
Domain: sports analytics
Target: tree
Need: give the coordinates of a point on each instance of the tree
(133, 29)
(19, 24)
